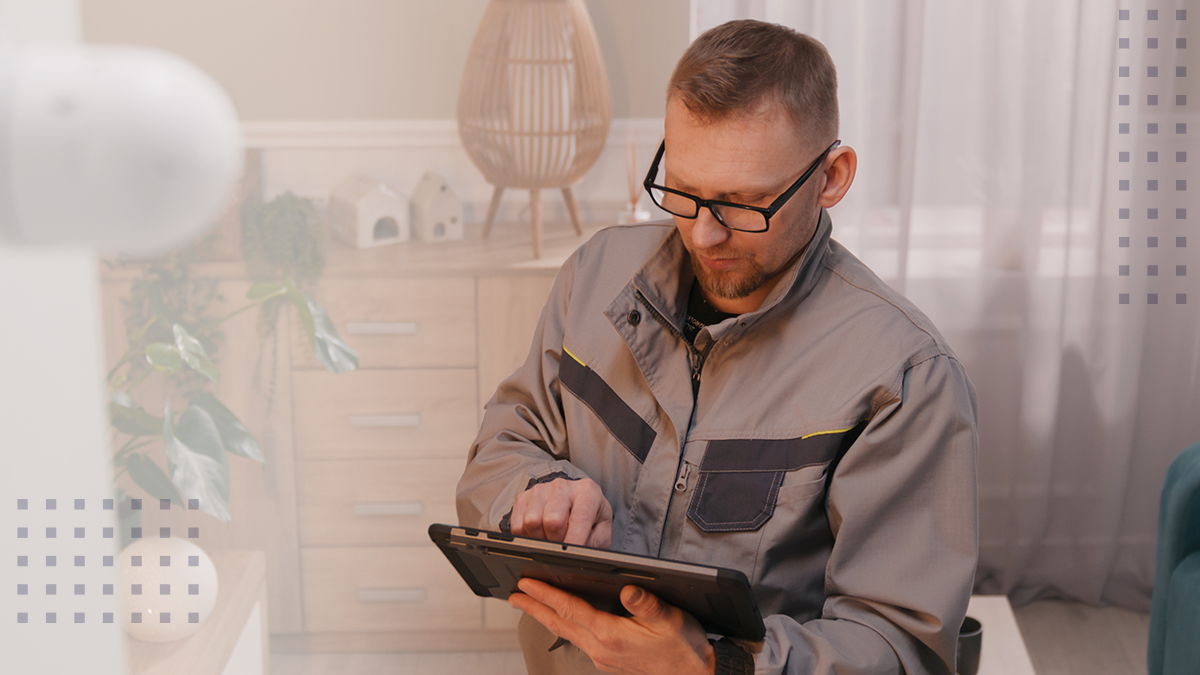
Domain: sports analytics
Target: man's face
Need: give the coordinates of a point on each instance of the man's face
(747, 159)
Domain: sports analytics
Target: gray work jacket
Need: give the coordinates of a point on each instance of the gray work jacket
(829, 453)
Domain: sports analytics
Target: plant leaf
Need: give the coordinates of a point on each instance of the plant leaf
(236, 438)
(129, 418)
(297, 298)
(210, 347)
(263, 289)
(151, 478)
(193, 354)
(196, 460)
(133, 420)
(335, 355)
(164, 357)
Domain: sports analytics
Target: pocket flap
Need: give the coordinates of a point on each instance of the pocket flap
(740, 477)
(771, 454)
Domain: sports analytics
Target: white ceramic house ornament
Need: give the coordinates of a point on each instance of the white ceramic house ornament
(364, 212)
(534, 109)
(437, 211)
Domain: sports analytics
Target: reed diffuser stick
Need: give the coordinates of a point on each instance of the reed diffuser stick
(633, 212)
(635, 186)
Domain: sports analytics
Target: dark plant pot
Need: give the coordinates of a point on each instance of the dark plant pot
(970, 644)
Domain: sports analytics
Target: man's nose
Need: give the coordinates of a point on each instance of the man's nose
(708, 231)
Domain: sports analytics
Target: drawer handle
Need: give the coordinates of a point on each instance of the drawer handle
(385, 420)
(381, 327)
(393, 509)
(391, 595)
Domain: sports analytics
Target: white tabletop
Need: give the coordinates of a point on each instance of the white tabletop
(1004, 650)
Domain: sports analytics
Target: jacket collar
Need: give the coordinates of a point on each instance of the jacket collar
(666, 279)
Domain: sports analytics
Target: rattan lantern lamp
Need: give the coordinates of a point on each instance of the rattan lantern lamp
(534, 108)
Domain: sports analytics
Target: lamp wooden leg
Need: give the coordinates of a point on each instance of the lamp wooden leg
(492, 209)
(535, 219)
(571, 210)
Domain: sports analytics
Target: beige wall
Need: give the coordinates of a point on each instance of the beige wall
(641, 41)
(373, 59)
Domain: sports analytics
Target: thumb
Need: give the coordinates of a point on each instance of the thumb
(642, 604)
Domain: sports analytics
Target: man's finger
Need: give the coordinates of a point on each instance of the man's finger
(644, 605)
(601, 535)
(516, 517)
(583, 517)
(557, 511)
(570, 608)
(527, 514)
(544, 615)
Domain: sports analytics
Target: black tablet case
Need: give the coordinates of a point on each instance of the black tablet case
(492, 562)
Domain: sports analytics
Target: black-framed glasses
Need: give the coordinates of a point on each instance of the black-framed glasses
(740, 217)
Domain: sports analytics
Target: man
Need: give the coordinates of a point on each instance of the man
(736, 389)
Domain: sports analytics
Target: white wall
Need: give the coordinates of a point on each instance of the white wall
(33, 21)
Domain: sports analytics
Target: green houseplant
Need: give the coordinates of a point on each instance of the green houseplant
(284, 238)
(171, 334)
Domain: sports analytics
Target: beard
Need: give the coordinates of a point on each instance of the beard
(730, 285)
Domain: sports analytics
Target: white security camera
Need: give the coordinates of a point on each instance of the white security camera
(119, 149)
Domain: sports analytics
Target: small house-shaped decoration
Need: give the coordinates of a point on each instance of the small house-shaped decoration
(364, 213)
(437, 211)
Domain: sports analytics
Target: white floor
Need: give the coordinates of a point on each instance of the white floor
(1064, 638)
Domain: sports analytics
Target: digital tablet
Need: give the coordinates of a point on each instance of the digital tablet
(492, 562)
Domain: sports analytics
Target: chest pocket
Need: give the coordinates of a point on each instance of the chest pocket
(740, 478)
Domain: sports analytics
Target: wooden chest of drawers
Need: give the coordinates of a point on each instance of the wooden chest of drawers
(380, 450)
(385, 414)
(399, 323)
(374, 502)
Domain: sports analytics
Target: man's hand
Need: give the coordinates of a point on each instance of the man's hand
(570, 511)
(659, 639)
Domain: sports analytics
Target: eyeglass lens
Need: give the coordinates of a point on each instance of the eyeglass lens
(729, 216)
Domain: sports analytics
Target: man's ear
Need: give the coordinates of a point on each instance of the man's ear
(839, 174)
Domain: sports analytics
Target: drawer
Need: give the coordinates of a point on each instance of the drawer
(397, 323)
(375, 502)
(384, 414)
(385, 589)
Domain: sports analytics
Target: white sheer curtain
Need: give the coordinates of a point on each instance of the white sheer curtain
(990, 192)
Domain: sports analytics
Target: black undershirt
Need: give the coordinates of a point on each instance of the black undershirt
(700, 313)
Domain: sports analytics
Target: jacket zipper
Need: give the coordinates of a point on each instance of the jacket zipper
(682, 478)
(696, 360)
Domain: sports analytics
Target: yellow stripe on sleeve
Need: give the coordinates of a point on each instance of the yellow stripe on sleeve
(577, 359)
